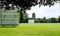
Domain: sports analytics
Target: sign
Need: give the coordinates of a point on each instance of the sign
(31, 21)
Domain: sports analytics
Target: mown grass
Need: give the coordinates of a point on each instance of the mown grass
(36, 29)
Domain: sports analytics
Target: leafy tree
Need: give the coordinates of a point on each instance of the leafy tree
(53, 20)
(25, 17)
(44, 19)
(59, 19)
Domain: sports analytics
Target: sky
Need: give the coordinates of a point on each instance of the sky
(45, 11)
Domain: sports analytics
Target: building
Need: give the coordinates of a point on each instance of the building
(33, 15)
(9, 17)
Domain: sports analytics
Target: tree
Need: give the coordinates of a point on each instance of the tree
(23, 5)
(59, 19)
(26, 4)
(53, 20)
(25, 17)
(44, 20)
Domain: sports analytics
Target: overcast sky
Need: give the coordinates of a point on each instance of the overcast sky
(45, 11)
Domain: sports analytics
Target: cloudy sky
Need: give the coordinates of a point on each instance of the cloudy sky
(45, 11)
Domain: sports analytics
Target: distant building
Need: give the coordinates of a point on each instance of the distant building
(33, 15)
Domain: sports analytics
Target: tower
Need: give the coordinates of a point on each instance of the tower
(33, 15)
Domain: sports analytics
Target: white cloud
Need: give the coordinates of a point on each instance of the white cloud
(45, 11)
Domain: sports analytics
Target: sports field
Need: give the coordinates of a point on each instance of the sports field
(36, 29)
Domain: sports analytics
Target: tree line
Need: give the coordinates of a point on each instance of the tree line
(45, 20)
(40, 20)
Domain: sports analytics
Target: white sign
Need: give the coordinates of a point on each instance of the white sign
(31, 21)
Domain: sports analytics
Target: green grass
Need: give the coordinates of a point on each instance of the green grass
(37, 29)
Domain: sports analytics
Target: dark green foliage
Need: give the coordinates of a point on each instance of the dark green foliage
(44, 20)
(59, 19)
(25, 4)
(37, 20)
(53, 20)
(23, 17)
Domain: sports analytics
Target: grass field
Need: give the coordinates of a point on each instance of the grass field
(38, 29)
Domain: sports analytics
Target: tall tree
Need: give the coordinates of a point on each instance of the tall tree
(59, 19)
